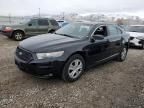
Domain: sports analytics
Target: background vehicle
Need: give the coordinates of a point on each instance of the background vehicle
(71, 49)
(62, 23)
(33, 27)
(0, 29)
(137, 35)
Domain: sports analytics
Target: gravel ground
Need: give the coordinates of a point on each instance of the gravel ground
(111, 85)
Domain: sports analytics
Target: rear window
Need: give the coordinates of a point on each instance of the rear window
(54, 23)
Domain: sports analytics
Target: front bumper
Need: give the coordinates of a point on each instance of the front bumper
(7, 33)
(40, 68)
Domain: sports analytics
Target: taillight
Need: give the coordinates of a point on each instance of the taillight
(7, 29)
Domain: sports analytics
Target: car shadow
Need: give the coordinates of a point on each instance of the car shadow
(135, 47)
(57, 79)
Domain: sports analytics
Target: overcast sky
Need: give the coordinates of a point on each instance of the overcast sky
(30, 7)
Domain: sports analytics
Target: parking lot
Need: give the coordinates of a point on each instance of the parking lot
(111, 85)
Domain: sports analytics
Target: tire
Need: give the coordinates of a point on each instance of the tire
(142, 47)
(18, 35)
(73, 68)
(51, 31)
(123, 54)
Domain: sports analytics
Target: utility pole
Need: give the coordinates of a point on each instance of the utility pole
(39, 12)
(63, 16)
(10, 18)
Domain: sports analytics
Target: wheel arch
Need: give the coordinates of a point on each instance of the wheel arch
(18, 30)
(125, 42)
(83, 54)
(51, 31)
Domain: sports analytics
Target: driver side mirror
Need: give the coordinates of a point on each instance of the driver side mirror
(97, 37)
(29, 24)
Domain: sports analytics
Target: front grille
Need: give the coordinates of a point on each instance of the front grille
(24, 55)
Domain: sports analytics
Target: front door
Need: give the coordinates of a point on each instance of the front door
(99, 49)
(32, 27)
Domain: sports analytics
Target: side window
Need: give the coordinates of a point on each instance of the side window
(33, 22)
(102, 30)
(112, 30)
(43, 22)
(54, 23)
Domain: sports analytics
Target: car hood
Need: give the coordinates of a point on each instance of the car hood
(136, 34)
(46, 42)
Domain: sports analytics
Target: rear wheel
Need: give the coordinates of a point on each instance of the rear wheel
(18, 35)
(123, 54)
(73, 68)
(51, 31)
(142, 47)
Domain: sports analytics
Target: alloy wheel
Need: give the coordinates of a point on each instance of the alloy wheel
(123, 53)
(75, 68)
(18, 36)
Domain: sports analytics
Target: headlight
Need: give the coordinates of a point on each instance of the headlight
(49, 55)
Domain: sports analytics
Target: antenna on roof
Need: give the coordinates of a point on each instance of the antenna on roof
(63, 16)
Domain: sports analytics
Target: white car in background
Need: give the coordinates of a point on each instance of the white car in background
(136, 36)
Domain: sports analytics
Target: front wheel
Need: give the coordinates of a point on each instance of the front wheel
(123, 54)
(51, 31)
(73, 68)
(18, 35)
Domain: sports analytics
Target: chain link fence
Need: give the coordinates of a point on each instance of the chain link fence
(8, 20)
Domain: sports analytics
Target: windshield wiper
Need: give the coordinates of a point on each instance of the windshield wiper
(65, 35)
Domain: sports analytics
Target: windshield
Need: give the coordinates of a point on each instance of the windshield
(76, 30)
(136, 29)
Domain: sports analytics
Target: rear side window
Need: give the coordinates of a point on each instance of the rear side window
(43, 22)
(112, 30)
(53, 22)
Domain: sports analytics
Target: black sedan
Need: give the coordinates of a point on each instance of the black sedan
(72, 49)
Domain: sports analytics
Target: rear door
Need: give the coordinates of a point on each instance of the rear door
(114, 38)
(43, 26)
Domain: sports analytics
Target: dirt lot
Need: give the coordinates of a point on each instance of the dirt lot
(112, 85)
